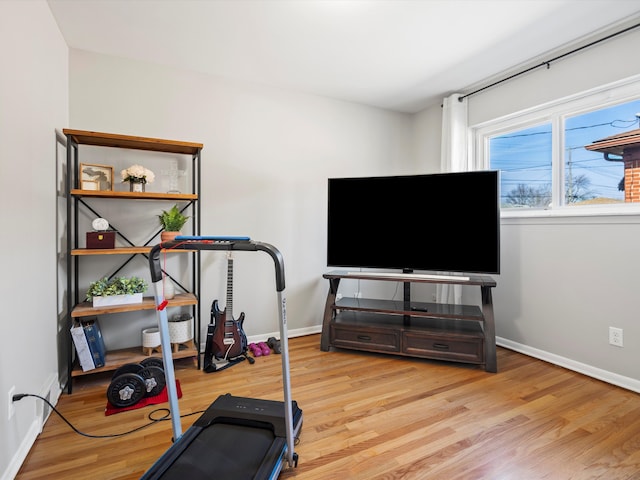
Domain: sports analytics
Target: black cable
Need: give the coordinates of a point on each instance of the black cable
(547, 63)
(153, 421)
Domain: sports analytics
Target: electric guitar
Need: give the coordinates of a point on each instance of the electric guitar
(228, 339)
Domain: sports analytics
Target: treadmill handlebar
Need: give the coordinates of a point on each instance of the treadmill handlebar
(242, 245)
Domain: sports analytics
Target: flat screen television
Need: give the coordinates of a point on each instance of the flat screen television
(445, 222)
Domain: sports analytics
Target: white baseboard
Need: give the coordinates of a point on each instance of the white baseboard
(23, 450)
(589, 370)
(52, 390)
(298, 332)
(597, 373)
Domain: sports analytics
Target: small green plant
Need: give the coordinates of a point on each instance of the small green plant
(116, 286)
(172, 220)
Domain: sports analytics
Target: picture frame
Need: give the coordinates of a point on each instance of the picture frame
(90, 185)
(95, 177)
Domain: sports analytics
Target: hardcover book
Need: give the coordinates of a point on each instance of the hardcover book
(94, 340)
(82, 348)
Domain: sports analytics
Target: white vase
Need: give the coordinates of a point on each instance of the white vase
(169, 289)
(136, 187)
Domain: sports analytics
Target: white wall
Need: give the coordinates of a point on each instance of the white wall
(34, 103)
(265, 163)
(565, 281)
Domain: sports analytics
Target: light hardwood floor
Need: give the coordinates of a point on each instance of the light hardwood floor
(369, 416)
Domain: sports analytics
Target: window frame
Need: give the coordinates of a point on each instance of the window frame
(556, 113)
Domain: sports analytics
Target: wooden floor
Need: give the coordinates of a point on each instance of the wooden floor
(370, 416)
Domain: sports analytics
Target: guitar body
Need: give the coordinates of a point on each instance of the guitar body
(229, 339)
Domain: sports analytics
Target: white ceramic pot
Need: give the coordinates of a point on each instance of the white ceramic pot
(181, 332)
(150, 337)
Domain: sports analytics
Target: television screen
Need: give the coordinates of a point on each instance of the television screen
(447, 222)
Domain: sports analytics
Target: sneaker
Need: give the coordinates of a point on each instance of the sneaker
(274, 344)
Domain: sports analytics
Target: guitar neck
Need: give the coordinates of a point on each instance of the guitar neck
(229, 304)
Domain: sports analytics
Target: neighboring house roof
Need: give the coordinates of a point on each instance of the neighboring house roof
(616, 144)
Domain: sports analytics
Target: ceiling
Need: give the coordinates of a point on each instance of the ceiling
(396, 54)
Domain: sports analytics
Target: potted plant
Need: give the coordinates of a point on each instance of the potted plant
(117, 291)
(172, 221)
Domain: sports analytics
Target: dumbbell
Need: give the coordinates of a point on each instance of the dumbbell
(133, 381)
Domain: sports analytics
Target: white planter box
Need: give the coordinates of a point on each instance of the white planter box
(117, 300)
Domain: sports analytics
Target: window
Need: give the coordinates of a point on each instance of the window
(588, 175)
(544, 160)
(524, 160)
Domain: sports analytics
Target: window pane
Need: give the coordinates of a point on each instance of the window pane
(589, 177)
(524, 160)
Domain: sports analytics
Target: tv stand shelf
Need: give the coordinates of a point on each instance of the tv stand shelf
(459, 333)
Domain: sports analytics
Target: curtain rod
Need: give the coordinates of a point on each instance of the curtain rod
(548, 62)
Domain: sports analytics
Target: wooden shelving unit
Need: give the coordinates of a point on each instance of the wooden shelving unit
(78, 199)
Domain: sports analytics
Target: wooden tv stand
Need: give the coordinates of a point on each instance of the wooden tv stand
(457, 333)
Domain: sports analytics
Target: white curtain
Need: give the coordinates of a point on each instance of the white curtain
(454, 158)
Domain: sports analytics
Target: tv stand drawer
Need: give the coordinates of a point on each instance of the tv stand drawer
(458, 348)
(365, 338)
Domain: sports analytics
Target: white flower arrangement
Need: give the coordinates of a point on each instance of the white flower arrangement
(137, 174)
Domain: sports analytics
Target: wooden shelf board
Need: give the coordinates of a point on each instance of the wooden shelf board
(415, 309)
(450, 327)
(86, 309)
(117, 358)
(99, 139)
(122, 251)
(76, 192)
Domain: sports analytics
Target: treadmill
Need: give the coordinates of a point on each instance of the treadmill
(236, 437)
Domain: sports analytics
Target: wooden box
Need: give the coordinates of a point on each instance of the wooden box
(106, 239)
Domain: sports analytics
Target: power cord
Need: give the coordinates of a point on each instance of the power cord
(166, 417)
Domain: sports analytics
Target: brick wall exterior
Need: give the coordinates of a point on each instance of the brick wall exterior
(632, 174)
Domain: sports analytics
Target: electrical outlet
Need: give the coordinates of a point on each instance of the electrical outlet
(615, 336)
(338, 296)
(12, 408)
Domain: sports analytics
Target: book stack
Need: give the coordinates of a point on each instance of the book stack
(89, 344)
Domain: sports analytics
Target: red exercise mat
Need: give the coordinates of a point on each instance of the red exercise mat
(162, 397)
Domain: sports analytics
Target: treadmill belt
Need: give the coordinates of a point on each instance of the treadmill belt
(223, 451)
